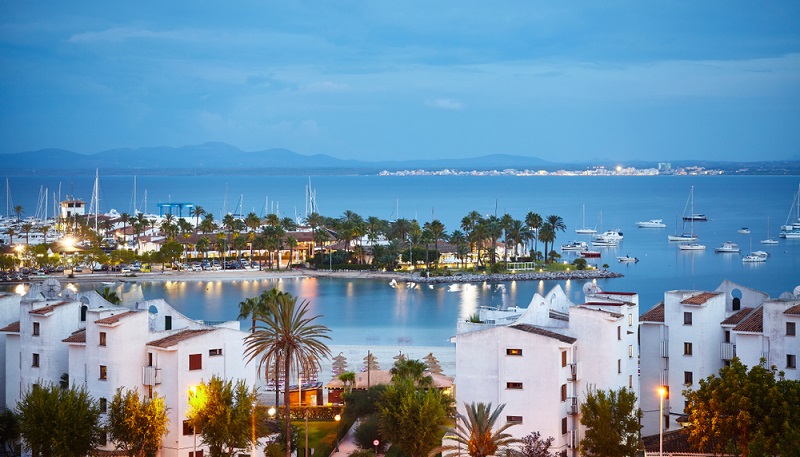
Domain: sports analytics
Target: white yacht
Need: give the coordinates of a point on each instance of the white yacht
(627, 258)
(692, 247)
(599, 240)
(575, 246)
(791, 230)
(728, 246)
(744, 231)
(614, 235)
(652, 223)
(754, 257)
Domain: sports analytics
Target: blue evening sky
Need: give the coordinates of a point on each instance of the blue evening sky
(559, 80)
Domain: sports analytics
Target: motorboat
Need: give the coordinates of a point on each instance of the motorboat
(761, 253)
(728, 246)
(627, 258)
(754, 258)
(590, 254)
(652, 223)
(744, 231)
(695, 217)
(769, 241)
(601, 241)
(614, 235)
(575, 246)
(692, 247)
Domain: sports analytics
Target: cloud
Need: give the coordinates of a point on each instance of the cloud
(118, 34)
(445, 103)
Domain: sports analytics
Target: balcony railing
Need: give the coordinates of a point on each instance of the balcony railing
(573, 372)
(665, 348)
(727, 351)
(572, 406)
(151, 376)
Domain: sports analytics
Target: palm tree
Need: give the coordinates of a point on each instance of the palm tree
(413, 370)
(436, 230)
(292, 243)
(546, 235)
(27, 228)
(197, 211)
(125, 217)
(474, 432)
(287, 335)
(203, 245)
(18, 210)
(43, 229)
(534, 222)
(458, 240)
(11, 231)
(557, 223)
(348, 379)
(315, 221)
(109, 296)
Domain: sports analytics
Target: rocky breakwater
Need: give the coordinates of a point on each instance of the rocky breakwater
(532, 276)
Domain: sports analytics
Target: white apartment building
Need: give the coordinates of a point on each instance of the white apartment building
(693, 334)
(540, 361)
(154, 349)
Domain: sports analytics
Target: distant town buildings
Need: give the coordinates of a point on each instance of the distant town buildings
(663, 169)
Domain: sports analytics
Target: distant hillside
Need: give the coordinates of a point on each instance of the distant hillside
(214, 157)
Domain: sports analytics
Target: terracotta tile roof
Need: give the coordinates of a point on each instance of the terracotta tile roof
(76, 337)
(753, 323)
(114, 318)
(176, 338)
(738, 316)
(655, 314)
(47, 309)
(794, 310)
(616, 293)
(11, 328)
(701, 298)
(540, 331)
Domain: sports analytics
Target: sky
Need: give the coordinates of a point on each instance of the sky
(375, 80)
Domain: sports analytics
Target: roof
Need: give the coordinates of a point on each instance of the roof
(701, 298)
(589, 306)
(738, 316)
(176, 338)
(794, 310)
(615, 293)
(384, 377)
(540, 331)
(113, 319)
(11, 328)
(753, 323)
(47, 309)
(78, 336)
(655, 314)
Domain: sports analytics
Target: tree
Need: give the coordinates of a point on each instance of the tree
(223, 412)
(348, 379)
(137, 425)
(9, 432)
(534, 446)
(474, 432)
(745, 412)
(197, 211)
(59, 422)
(413, 370)
(109, 296)
(533, 221)
(287, 335)
(412, 418)
(612, 421)
(171, 250)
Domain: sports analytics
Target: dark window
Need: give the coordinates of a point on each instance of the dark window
(687, 348)
(563, 392)
(102, 338)
(790, 329)
(737, 303)
(187, 428)
(83, 313)
(103, 372)
(513, 385)
(213, 352)
(619, 365)
(195, 361)
(687, 318)
(563, 358)
(791, 361)
(513, 351)
(103, 439)
(196, 453)
(514, 419)
(563, 425)
(727, 336)
(149, 359)
(167, 322)
(103, 405)
(688, 378)
(619, 332)
(35, 329)
(35, 361)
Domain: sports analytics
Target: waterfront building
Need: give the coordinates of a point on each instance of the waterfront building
(151, 347)
(540, 361)
(693, 334)
(72, 208)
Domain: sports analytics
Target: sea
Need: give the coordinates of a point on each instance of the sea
(372, 312)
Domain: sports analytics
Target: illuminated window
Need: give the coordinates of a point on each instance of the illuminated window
(195, 361)
(513, 385)
(103, 372)
(513, 351)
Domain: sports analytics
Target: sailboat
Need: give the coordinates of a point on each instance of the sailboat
(792, 228)
(692, 246)
(684, 236)
(769, 239)
(585, 230)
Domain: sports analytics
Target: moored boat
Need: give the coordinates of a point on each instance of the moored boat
(692, 247)
(754, 258)
(602, 241)
(791, 230)
(575, 246)
(652, 223)
(590, 254)
(744, 231)
(728, 246)
(627, 258)
(695, 217)
(614, 235)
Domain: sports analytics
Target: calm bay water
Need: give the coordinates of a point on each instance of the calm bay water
(371, 312)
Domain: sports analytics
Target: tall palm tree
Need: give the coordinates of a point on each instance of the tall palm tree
(27, 228)
(557, 223)
(43, 229)
(197, 212)
(18, 210)
(546, 235)
(474, 431)
(437, 232)
(289, 336)
(411, 369)
(125, 217)
(11, 232)
(534, 222)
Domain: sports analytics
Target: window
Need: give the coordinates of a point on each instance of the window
(514, 419)
(103, 372)
(196, 453)
(103, 439)
(103, 405)
(727, 336)
(149, 359)
(687, 348)
(149, 391)
(688, 378)
(513, 385)
(102, 338)
(736, 304)
(619, 332)
(791, 361)
(563, 392)
(619, 365)
(630, 320)
(514, 352)
(187, 428)
(84, 308)
(563, 425)
(167, 322)
(687, 318)
(630, 351)
(630, 381)
(35, 329)
(195, 361)
(215, 352)
(563, 358)
(35, 361)
(790, 329)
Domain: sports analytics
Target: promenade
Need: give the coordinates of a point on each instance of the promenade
(348, 443)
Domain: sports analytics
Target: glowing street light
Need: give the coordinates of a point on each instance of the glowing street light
(193, 393)
(337, 418)
(661, 393)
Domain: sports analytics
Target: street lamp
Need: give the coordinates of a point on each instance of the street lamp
(337, 418)
(661, 393)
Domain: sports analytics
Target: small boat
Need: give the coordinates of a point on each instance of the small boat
(682, 237)
(753, 258)
(590, 254)
(744, 231)
(585, 230)
(692, 247)
(695, 217)
(728, 246)
(575, 246)
(600, 241)
(614, 235)
(769, 239)
(652, 223)
(627, 258)
(764, 254)
(791, 230)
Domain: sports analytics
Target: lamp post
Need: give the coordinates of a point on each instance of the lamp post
(253, 426)
(376, 443)
(661, 392)
(337, 418)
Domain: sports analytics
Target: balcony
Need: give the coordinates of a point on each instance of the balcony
(573, 372)
(665, 348)
(727, 351)
(572, 406)
(151, 376)
(572, 439)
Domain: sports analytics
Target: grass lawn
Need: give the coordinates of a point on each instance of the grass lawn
(316, 431)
